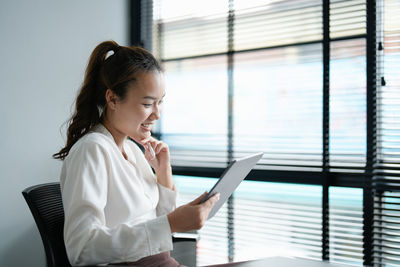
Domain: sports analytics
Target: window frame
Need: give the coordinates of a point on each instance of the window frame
(325, 178)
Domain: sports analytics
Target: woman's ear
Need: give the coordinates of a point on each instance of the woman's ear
(111, 99)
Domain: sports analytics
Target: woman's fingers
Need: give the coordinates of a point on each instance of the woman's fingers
(143, 142)
(160, 146)
(149, 144)
(156, 145)
(211, 201)
(192, 215)
(151, 153)
(198, 199)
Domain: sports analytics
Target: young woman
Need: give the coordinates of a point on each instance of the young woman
(117, 209)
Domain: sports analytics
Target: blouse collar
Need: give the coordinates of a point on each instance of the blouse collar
(100, 128)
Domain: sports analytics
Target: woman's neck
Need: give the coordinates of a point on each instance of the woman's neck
(119, 137)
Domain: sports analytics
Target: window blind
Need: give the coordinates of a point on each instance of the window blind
(261, 24)
(386, 246)
(386, 179)
(347, 149)
(347, 106)
(190, 28)
(276, 74)
(346, 225)
(388, 101)
(198, 75)
(286, 220)
(347, 18)
(212, 248)
(194, 123)
(278, 107)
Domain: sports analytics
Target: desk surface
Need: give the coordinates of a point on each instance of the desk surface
(280, 262)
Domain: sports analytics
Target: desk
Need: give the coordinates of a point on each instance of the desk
(273, 262)
(279, 262)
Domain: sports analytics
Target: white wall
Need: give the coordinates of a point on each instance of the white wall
(44, 48)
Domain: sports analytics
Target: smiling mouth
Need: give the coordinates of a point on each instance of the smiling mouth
(146, 126)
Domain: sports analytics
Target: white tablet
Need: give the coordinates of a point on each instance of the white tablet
(230, 180)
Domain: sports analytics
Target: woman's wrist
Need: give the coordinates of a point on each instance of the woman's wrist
(171, 221)
(163, 171)
(164, 177)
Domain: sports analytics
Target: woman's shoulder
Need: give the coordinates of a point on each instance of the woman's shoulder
(92, 141)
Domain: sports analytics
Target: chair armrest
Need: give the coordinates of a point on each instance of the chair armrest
(185, 248)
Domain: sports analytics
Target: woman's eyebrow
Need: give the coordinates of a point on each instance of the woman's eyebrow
(152, 97)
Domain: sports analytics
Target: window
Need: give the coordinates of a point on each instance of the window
(315, 85)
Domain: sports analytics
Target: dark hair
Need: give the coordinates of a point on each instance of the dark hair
(114, 72)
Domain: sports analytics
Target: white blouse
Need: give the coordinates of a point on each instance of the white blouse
(115, 211)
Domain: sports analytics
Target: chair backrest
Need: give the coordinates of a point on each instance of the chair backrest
(45, 203)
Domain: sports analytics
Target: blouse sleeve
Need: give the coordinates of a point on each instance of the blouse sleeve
(167, 202)
(87, 239)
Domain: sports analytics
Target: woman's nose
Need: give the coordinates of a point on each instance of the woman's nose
(156, 112)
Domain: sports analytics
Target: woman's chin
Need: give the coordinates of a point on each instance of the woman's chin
(140, 136)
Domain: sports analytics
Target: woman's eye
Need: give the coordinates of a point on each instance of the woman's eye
(147, 105)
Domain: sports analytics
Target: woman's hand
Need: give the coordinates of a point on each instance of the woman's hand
(193, 215)
(157, 154)
(160, 159)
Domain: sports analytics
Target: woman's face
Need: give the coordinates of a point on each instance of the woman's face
(135, 115)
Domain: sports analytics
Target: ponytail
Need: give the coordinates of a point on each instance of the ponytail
(113, 72)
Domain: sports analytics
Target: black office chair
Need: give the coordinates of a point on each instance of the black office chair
(45, 203)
